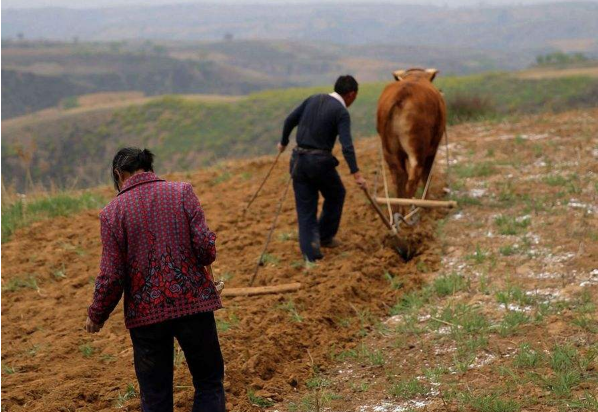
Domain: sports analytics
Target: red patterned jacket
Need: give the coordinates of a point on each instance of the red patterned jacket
(156, 245)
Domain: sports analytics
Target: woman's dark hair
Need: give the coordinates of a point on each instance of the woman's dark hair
(345, 84)
(130, 160)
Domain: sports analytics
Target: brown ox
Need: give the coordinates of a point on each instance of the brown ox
(411, 122)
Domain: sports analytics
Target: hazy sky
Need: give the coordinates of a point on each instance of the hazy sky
(113, 3)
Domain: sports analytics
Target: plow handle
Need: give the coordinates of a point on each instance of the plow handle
(377, 209)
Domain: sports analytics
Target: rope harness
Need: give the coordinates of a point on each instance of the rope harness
(398, 218)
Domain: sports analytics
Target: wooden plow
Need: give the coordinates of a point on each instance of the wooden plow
(393, 221)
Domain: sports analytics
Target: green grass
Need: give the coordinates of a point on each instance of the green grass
(508, 225)
(22, 212)
(258, 400)
(449, 284)
(122, 398)
(394, 281)
(408, 389)
(267, 258)
(563, 358)
(514, 294)
(8, 370)
(491, 403)
(291, 309)
(511, 322)
(465, 169)
(230, 322)
(86, 350)
(479, 256)
(527, 357)
(465, 320)
(15, 284)
(411, 301)
(374, 357)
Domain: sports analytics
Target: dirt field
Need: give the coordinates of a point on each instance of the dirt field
(331, 343)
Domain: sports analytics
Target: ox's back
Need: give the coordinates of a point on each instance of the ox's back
(411, 122)
(417, 104)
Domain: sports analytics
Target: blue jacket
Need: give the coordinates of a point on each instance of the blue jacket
(320, 119)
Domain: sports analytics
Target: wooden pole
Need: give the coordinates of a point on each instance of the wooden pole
(263, 183)
(378, 211)
(416, 202)
(282, 199)
(262, 290)
(402, 247)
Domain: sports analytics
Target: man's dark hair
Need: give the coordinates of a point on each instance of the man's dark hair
(131, 159)
(345, 84)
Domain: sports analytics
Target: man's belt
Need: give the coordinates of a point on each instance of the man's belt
(308, 150)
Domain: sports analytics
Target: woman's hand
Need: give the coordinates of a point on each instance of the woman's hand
(92, 327)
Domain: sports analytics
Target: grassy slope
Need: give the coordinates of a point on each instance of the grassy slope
(187, 134)
(508, 320)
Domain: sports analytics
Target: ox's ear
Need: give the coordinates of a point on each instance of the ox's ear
(432, 74)
(398, 75)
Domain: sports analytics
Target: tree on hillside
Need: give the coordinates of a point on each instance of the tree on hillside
(560, 58)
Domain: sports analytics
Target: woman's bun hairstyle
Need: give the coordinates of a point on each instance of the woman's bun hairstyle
(130, 160)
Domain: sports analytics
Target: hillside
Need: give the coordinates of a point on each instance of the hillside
(570, 24)
(497, 312)
(75, 149)
(42, 74)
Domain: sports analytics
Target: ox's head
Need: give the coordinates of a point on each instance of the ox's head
(425, 74)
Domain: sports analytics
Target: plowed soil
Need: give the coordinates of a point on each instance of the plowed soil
(50, 364)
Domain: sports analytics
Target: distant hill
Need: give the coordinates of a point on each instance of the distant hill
(39, 75)
(24, 92)
(186, 134)
(570, 25)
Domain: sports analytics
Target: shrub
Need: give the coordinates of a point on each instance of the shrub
(463, 107)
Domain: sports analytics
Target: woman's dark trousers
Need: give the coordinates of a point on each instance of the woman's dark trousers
(153, 348)
(314, 174)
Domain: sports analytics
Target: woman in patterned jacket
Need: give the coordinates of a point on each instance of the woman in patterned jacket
(156, 249)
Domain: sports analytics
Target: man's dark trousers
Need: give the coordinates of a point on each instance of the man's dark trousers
(153, 347)
(315, 173)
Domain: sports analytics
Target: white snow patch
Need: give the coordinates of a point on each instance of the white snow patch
(518, 308)
(546, 275)
(385, 406)
(576, 204)
(593, 279)
(477, 193)
(559, 258)
(458, 216)
(547, 295)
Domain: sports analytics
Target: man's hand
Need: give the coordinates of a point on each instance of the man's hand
(360, 180)
(281, 148)
(92, 327)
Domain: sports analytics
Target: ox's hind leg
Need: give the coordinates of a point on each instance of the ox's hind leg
(414, 171)
(398, 174)
(429, 163)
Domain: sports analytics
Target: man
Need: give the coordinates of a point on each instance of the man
(313, 167)
(156, 247)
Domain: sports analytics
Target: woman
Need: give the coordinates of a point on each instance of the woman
(156, 246)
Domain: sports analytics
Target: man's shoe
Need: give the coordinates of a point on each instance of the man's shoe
(331, 244)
